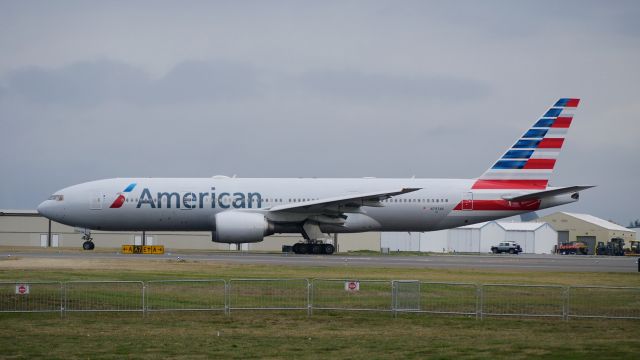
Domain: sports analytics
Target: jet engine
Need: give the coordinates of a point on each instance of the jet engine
(241, 227)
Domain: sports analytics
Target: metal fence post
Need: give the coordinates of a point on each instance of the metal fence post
(227, 305)
(481, 301)
(394, 299)
(565, 305)
(66, 306)
(61, 300)
(309, 289)
(144, 294)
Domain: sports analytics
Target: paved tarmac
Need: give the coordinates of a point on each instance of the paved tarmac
(569, 263)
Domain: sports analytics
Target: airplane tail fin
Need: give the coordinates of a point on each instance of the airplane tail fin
(529, 163)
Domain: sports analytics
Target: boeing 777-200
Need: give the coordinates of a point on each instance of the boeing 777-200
(244, 210)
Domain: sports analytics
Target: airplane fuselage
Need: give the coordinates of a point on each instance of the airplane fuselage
(156, 204)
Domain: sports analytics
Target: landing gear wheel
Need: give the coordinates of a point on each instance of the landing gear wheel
(304, 248)
(88, 245)
(316, 249)
(296, 248)
(329, 249)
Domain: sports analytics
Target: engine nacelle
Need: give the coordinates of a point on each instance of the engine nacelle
(241, 227)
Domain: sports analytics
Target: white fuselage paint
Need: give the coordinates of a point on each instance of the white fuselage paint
(87, 205)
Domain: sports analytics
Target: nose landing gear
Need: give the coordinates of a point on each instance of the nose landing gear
(88, 241)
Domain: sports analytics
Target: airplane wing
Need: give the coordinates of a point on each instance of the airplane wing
(539, 195)
(342, 203)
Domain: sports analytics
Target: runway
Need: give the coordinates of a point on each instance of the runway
(482, 261)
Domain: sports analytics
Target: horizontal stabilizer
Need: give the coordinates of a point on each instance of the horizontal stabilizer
(538, 195)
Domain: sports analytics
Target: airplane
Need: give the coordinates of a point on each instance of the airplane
(246, 210)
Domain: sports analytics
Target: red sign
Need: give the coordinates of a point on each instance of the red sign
(352, 285)
(22, 289)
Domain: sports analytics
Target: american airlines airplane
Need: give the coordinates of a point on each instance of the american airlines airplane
(239, 210)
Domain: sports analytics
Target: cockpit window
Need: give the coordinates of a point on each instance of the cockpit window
(56, 197)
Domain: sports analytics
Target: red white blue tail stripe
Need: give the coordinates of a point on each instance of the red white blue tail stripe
(529, 163)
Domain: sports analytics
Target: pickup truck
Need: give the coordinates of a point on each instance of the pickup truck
(510, 247)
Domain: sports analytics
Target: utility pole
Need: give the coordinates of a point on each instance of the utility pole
(49, 235)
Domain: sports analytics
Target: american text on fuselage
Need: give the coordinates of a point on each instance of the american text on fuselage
(193, 200)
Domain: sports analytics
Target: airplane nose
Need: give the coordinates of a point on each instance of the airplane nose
(44, 208)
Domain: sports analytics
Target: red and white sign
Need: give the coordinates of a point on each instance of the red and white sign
(22, 289)
(352, 286)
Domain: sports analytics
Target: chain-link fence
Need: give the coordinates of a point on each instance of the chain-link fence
(268, 294)
(397, 296)
(355, 295)
(31, 296)
(186, 295)
(603, 302)
(449, 298)
(522, 300)
(83, 296)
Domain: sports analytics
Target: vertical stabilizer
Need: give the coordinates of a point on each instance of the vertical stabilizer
(529, 163)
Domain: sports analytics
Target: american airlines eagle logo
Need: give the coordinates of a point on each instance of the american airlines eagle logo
(117, 203)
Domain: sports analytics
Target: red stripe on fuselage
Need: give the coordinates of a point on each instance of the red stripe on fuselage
(511, 184)
(484, 205)
(118, 202)
(540, 164)
(551, 143)
(562, 122)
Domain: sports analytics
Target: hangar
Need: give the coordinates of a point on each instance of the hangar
(28, 228)
(535, 238)
(587, 229)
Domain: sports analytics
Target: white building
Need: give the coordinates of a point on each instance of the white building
(535, 238)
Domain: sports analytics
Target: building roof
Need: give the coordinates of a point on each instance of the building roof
(475, 226)
(599, 222)
(521, 226)
(508, 226)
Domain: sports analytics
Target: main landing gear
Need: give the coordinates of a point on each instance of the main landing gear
(88, 241)
(313, 248)
(312, 241)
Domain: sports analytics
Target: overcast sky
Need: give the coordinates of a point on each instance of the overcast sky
(92, 90)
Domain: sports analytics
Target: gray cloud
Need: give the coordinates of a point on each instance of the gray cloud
(92, 83)
(97, 82)
(375, 87)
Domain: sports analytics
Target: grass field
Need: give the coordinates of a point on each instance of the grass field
(269, 334)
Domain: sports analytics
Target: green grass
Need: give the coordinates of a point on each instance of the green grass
(143, 270)
(326, 334)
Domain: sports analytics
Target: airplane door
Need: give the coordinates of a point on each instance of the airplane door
(97, 199)
(467, 201)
